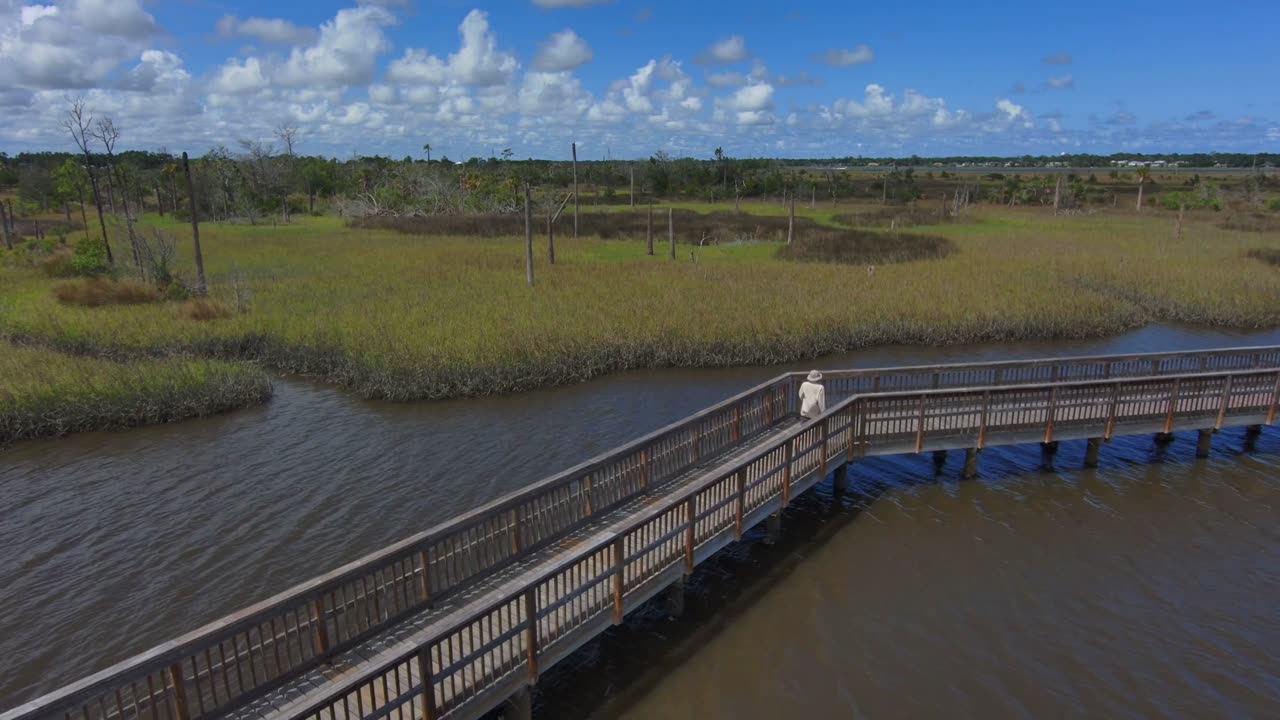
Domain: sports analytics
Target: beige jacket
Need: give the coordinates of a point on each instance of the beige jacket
(813, 400)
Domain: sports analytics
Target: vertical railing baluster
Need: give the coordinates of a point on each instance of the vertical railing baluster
(740, 480)
(531, 630)
(179, 696)
(619, 578)
(1173, 405)
(690, 538)
(516, 541)
(920, 426)
(786, 472)
(1052, 411)
(822, 448)
(1275, 400)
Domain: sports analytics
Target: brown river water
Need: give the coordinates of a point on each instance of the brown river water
(1145, 588)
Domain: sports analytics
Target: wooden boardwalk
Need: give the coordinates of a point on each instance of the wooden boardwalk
(454, 620)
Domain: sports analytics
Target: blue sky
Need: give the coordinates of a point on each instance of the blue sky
(630, 78)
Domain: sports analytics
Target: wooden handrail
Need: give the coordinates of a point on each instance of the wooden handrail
(733, 474)
(414, 552)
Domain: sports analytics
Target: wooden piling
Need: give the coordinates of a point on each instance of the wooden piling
(1092, 451)
(1204, 443)
(970, 464)
(840, 478)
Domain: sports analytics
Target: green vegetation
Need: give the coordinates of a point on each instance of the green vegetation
(45, 393)
(401, 316)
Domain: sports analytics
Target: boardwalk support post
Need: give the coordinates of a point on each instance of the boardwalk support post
(519, 706)
(1091, 452)
(939, 459)
(1204, 443)
(1164, 438)
(1049, 449)
(840, 478)
(970, 464)
(1251, 434)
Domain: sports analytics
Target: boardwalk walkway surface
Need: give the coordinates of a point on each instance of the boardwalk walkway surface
(453, 621)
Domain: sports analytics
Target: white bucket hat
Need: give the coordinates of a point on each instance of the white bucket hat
(814, 376)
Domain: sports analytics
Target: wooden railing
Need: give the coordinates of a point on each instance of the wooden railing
(843, 383)
(219, 666)
(242, 656)
(509, 640)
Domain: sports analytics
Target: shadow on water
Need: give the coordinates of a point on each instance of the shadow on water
(612, 674)
(628, 660)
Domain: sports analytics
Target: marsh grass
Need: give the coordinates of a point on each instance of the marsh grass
(398, 315)
(860, 247)
(202, 310)
(44, 393)
(96, 292)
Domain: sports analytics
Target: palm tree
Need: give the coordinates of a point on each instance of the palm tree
(1143, 174)
(427, 149)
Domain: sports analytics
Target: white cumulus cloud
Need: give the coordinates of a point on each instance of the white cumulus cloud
(732, 49)
(564, 50)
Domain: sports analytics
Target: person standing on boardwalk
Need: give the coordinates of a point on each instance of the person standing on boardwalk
(813, 397)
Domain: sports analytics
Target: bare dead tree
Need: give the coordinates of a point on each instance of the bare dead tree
(791, 218)
(4, 228)
(648, 229)
(633, 186)
(552, 216)
(287, 133)
(574, 148)
(106, 132)
(528, 235)
(202, 287)
(671, 231)
(79, 122)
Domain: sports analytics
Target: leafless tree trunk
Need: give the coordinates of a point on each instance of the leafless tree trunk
(105, 132)
(528, 235)
(1141, 184)
(83, 215)
(202, 287)
(288, 133)
(111, 192)
(551, 237)
(574, 148)
(1178, 231)
(159, 200)
(671, 231)
(66, 212)
(813, 196)
(1057, 195)
(648, 233)
(633, 186)
(4, 227)
(79, 126)
(791, 218)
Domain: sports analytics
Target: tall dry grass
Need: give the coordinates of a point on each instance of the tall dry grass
(402, 316)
